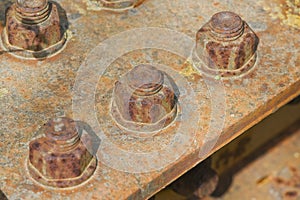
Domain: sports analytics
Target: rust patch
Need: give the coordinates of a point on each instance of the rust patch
(289, 179)
(262, 180)
(287, 11)
(291, 194)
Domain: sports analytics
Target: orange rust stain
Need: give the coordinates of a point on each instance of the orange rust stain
(42, 104)
(287, 12)
(262, 180)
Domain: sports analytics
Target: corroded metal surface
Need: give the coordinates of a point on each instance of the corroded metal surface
(33, 91)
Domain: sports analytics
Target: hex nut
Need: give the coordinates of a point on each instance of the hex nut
(60, 159)
(144, 100)
(118, 5)
(33, 29)
(225, 46)
(200, 182)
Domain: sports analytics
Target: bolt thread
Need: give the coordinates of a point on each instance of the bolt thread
(227, 36)
(62, 134)
(146, 92)
(226, 26)
(145, 80)
(32, 15)
(65, 145)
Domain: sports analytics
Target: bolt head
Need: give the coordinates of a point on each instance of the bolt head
(226, 46)
(57, 164)
(226, 23)
(145, 80)
(144, 100)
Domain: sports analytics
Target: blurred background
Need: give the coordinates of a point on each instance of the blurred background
(263, 163)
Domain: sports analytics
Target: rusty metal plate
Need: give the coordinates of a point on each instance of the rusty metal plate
(101, 47)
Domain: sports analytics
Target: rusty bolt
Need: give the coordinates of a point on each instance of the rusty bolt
(225, 46)
(119, 5)
(198, 183)
(144, 100)
(60, 159)
(33, 29)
